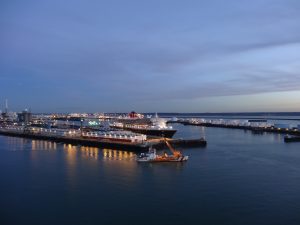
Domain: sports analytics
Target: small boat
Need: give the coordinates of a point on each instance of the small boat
(152, 156)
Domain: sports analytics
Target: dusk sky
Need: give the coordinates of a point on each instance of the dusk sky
(148, 56)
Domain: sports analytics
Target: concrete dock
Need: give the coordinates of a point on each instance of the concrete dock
(158, 143)
(250, 128)
(292, 139)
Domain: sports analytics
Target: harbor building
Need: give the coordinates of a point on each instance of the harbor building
(25, 117)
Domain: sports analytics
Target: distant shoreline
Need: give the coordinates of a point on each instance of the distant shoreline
(206, 113)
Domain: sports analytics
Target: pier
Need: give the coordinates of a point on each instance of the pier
(159, 143)
(291, 138)
(155, 142)
(254, 128)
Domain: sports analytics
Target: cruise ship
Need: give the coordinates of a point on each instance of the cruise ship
(150, 126)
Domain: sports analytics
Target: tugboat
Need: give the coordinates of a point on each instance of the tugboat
(151, 156)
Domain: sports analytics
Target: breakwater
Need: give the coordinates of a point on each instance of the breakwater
(289, 138)
(253, 128)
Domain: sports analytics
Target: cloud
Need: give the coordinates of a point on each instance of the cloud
(247, 84)
(121, 54)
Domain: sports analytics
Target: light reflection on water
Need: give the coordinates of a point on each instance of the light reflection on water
(21, 144)
(239, 178)
(43, 145)
(110, 154)
(98, 153)
(16, 144)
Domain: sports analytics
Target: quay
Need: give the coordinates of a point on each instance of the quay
(254, 129)
(159, 143)
(155, 142)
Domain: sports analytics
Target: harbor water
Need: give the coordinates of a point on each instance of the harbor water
(238, 178)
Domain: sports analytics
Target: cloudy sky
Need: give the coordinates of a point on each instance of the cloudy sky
(165, 56)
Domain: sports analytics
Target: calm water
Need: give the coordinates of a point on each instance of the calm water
(239, 178)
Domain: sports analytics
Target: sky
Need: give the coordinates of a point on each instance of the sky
(150, 56)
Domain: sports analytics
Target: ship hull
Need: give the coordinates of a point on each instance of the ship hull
(167, 159)
(150, 132)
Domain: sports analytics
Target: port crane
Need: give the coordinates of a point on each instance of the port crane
(175, 152)
(153, 157)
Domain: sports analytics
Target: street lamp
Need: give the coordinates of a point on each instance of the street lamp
(81, 122)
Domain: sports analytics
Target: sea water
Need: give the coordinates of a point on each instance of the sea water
(238, 178)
